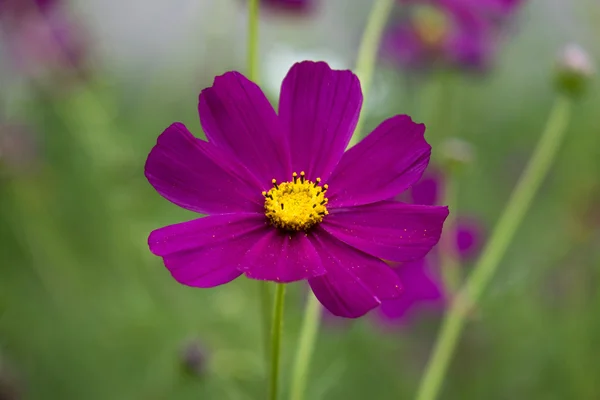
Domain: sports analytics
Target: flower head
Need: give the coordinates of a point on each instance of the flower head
(423, 287)
(574, 70)
(284, 201)
(447, 33)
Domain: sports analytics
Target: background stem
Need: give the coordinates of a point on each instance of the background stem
(513, 214)
(367, 53)
(308, 335)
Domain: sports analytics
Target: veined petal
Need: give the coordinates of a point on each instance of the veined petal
(319, 108)
(187, 172)
(208, 251)
(238, 118)
(389, 230)
(282, 257)
(382, 165)
(355, 282)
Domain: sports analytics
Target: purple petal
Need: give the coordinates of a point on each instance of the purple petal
(420, 288)
(208, 251)
(190, 173)
(282, 257)
(382, 165)
(319, 107)
(238, 118)
(389, 230)
(355, 282)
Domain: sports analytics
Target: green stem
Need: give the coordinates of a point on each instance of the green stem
(308, 335)
(513, 214)
(367, 53)
(276, 330)
(437, 107)
(450, 264)
(253, 20)
(264, 293)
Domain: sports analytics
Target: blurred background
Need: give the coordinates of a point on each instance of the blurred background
(86, 312)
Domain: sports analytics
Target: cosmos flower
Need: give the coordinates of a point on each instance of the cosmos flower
(284, 201)
(423, 286)
(448, 33)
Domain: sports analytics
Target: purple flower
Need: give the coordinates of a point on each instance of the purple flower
(447, 33)
(284, 201)
(289, 5)
(423, 287)
(41, 38)
(18, 8)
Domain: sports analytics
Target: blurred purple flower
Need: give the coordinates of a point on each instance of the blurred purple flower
(447, 33)
(331, 224)
(289, 5)
(17, 8)
(423, 287)
(41, 38)
(193, 358)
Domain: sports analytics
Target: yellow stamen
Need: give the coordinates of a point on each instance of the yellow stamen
(297, 205)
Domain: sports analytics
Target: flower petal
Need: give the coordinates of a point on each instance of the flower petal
(190, 173)
(319, 108)
(282, 257)
(420, 288)
(238, 118)
(382, 165)
(208, 251)
(389, 230)
(355, 282)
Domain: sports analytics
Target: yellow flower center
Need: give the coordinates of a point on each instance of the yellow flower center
(431, 24)
(297, 205)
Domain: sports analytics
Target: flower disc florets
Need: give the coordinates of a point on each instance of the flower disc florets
(297, 205)
(431, 24)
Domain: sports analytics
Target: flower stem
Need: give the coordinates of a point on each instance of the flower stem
(450, 264)
(308, 335)
(513, 214)
(253, 19)
(276, 330)
(264, 294)
(367, 52)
